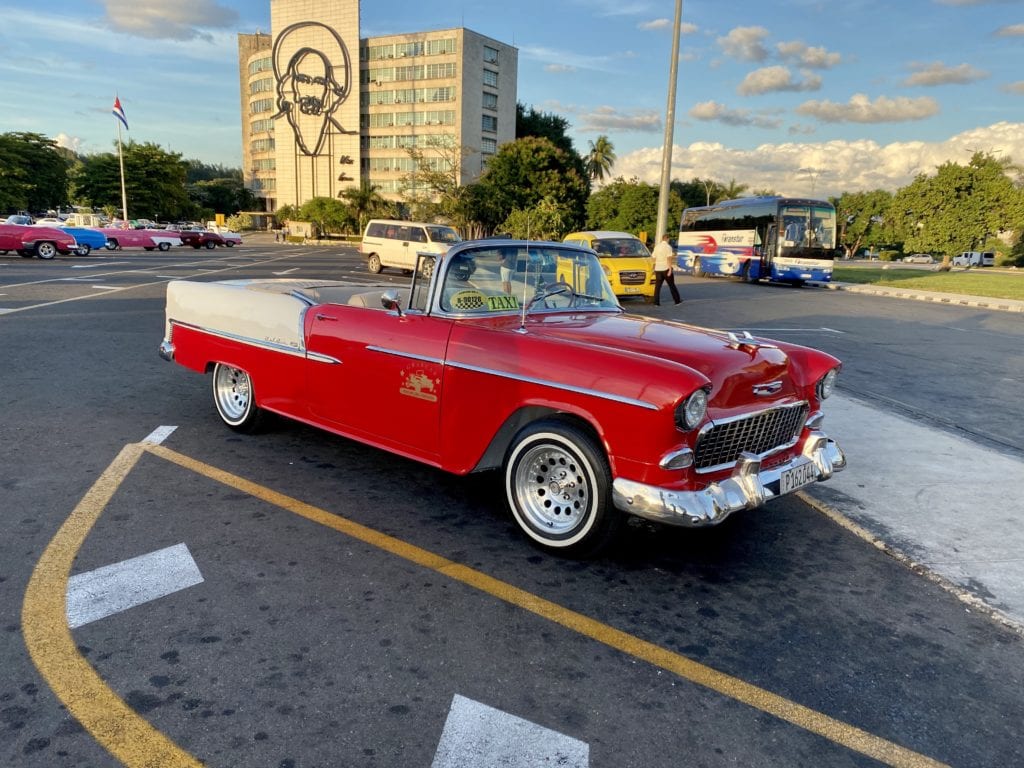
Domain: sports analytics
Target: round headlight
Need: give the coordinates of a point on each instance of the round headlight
(691, 411)
(826, 384)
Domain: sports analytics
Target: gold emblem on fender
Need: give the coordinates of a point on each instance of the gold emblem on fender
(420, 386)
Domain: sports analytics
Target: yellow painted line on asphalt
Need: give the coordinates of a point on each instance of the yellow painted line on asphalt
(834, 730)
(115, 725)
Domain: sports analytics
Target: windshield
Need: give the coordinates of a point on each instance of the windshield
(621, 247)
(505, 278)
(808, 226)
(445, 235)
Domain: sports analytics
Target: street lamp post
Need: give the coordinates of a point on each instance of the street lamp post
(670, 119)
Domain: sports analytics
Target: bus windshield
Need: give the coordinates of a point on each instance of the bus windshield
(805, 226)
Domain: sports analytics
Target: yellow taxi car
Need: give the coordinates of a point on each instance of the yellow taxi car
(626, 261)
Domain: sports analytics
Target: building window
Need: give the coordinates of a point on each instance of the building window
(264, 165)
(488, 146)
(408, 49)
(261, 145)
(377, 52)
(260, 65)
(409, 73)
(260, 126)
(490, 100)
(490, 55)
(489, 123)
(434, 47)
(261, 86)
(490, 78)
(261, 105)
(441, 71)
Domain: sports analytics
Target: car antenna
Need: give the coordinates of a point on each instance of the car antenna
(522, 317)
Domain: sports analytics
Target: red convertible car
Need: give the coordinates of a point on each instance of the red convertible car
(44, 242)
(516, 356)
(150, 239)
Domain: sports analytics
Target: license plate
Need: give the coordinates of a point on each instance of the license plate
(631, 289)
(797, 477)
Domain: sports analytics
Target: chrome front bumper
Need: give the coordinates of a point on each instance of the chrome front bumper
(748, 487)
(167, 350)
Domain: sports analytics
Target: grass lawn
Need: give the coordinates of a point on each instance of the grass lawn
(974, 282)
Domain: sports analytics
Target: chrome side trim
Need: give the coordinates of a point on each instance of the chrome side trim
(749, 486)
(247, 340)
(516, 377)
(317, 357)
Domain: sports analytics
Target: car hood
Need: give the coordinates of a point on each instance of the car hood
(734, 367)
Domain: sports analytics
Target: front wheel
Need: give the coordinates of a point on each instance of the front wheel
(46, 250)
(373, 264)
(83, 250)
(164, 246)
(111, 245)
(234, 396)
(229, 243)
(558, 486)
(210, 245)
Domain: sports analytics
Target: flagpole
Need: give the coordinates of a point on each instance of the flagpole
(124, 194)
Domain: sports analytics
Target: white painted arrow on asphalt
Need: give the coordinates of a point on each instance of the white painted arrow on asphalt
(288, 271)
(478, 736)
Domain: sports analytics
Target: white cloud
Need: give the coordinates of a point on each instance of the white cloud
(937, 73)
(558, 69)
(1011, 30)
(845, 166)
(168, 19)
(860, 109)
(777, 78)
(656, 25)
(806, 56)
(745, 43)
(712, 111)
(1017, 87)
(609, 119)
(68, 142)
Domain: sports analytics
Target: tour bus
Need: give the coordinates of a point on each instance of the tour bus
(779, 239)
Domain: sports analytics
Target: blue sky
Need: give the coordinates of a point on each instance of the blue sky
(798, 96)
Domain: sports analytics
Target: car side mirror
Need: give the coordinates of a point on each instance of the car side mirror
(390, 300)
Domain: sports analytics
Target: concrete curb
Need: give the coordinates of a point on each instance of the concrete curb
(953, 299)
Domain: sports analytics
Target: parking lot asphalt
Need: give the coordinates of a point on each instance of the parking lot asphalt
(935, 297)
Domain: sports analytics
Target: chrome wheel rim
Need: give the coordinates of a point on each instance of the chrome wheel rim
(233, 392)
(553, 489)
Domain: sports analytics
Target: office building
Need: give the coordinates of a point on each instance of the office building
(323, 109)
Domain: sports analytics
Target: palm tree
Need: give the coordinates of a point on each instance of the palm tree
(363, 200)
(731, 191)
(601, 158)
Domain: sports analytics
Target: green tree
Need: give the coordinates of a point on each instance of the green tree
(959, 208)
(364, 201)
(154, 182)
(431, 188)
(600, 159)
(863, 218)
(543, 221)
(630, 206)
(327, 215)
(730, 191)
(696, 191)
(525, 171)
(543, 125)
(33, 173)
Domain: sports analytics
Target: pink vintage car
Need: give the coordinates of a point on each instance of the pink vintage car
(28, 241)
(516, 356)
(150, 239)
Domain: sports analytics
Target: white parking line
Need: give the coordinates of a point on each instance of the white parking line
(483, 737)
(158, 435)
(114, 588)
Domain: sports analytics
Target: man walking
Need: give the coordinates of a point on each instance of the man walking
(663, 270)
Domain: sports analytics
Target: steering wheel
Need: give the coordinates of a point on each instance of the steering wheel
(551, 289)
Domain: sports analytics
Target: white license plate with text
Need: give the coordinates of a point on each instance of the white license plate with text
(797, 477)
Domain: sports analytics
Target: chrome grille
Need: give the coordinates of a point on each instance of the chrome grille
(760, 434)
(632, 277)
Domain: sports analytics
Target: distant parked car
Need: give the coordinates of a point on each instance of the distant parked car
(231, 239)
(88, 239)
(975, 259)
(44, 242)
(919, 258)
(18, 219)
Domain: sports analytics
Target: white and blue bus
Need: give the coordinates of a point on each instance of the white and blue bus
(780, 239)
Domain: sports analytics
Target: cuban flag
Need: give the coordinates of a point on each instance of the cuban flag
(119, 112)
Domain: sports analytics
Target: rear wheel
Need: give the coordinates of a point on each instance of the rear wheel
(235, 399)
(229, 243)
(83, 250)
(558, 486)
(112, 245)
(373, 263)
(210, 245)
(164, 246)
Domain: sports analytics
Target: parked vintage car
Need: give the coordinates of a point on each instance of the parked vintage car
(590, 414)
(87, 239)
(30, 240)
(231, 239)
(919, 258)
(201, 237)
(150, 239)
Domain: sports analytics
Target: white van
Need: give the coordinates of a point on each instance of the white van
(974, 259)
(388, 243)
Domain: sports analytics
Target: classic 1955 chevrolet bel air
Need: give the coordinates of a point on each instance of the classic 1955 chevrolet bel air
(516, 356)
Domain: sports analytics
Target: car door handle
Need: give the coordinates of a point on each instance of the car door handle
(326, 317)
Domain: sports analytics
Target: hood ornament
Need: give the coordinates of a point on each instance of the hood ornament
(746, 340)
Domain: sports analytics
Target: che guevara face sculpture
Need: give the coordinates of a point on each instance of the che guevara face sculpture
(312, 82)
